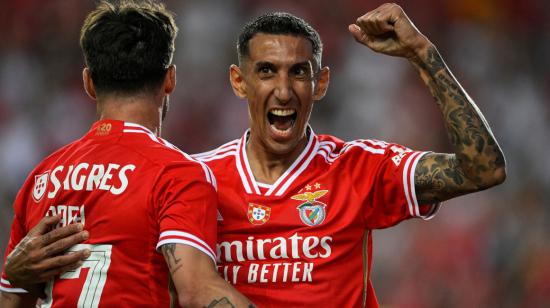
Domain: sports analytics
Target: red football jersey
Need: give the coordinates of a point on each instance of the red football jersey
(133, 192)
(306, 240)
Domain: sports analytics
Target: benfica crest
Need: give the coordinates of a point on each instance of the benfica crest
(258, 214)
(40, 185)
(312, 212)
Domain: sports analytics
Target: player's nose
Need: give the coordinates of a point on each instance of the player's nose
(283, 90)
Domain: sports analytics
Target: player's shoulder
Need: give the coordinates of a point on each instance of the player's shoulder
(55, 156)
(333, 148)
(42, 170)
(175, 162)
(152, 148)
(220, 155)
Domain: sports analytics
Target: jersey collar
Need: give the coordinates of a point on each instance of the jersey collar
(286, 179)
(108, 126)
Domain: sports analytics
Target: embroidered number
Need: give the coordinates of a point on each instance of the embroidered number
(98, 263)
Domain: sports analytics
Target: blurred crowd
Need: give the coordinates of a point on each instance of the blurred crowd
(489, 249)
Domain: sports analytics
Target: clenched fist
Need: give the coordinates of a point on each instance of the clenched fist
(388, 30)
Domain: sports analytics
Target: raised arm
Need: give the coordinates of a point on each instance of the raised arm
(477, 162)
(197, 281)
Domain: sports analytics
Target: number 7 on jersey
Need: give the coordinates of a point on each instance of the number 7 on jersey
(98, 264)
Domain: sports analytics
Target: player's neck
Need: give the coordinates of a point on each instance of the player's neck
(133, 110)
(266, 166)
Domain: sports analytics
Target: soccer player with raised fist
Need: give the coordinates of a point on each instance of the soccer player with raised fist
(296, 209)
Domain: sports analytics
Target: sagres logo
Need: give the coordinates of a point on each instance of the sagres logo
(40, 185)
(312, 212)
(258, 214)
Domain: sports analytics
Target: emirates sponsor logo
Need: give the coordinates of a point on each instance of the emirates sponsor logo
(289, 259)
(268, 272)
(293, 247)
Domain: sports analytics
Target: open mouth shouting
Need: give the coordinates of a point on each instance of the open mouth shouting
(281, 121)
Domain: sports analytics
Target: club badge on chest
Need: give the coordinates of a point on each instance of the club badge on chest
(312, 212)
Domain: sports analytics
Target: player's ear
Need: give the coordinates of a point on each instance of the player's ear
(88, 83)
(169, 80)
(321, 84)
(237, 81)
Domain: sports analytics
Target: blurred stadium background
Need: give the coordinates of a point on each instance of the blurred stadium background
(489, 249)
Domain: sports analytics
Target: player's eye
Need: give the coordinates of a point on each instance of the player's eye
(301, 72)
(265, 71)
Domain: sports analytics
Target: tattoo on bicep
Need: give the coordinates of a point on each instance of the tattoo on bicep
(437, 178)
(169, 254)
(222, 302)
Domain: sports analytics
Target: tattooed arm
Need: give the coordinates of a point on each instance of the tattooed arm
(196, 280)
(477, 162)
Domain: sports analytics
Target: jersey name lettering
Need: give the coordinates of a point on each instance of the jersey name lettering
(90, 177)
(69, 214)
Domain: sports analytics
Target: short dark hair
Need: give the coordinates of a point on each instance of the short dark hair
(128, 45)
(279, 23)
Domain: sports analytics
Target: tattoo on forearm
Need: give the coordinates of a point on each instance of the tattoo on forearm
(169, 254)
(222, 302)
(477, 154)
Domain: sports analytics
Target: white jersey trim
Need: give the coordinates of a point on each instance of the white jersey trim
(5, 286)
(136, 128)
(231, 145)
(359, 143)
(409, 187)
(301, 169)
(216, 157)
(327, 148)
(374, 142)
(264, 185)
(244, 179)
(434, 208)
(188, 243)
(286, 179)
(248, 171)
(180, 237)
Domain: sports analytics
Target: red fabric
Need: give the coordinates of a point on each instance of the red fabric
(296, 257)
(129, 188)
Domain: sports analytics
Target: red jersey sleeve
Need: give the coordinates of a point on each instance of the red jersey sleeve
(186, 205)
(384, 173)
(18, 231)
